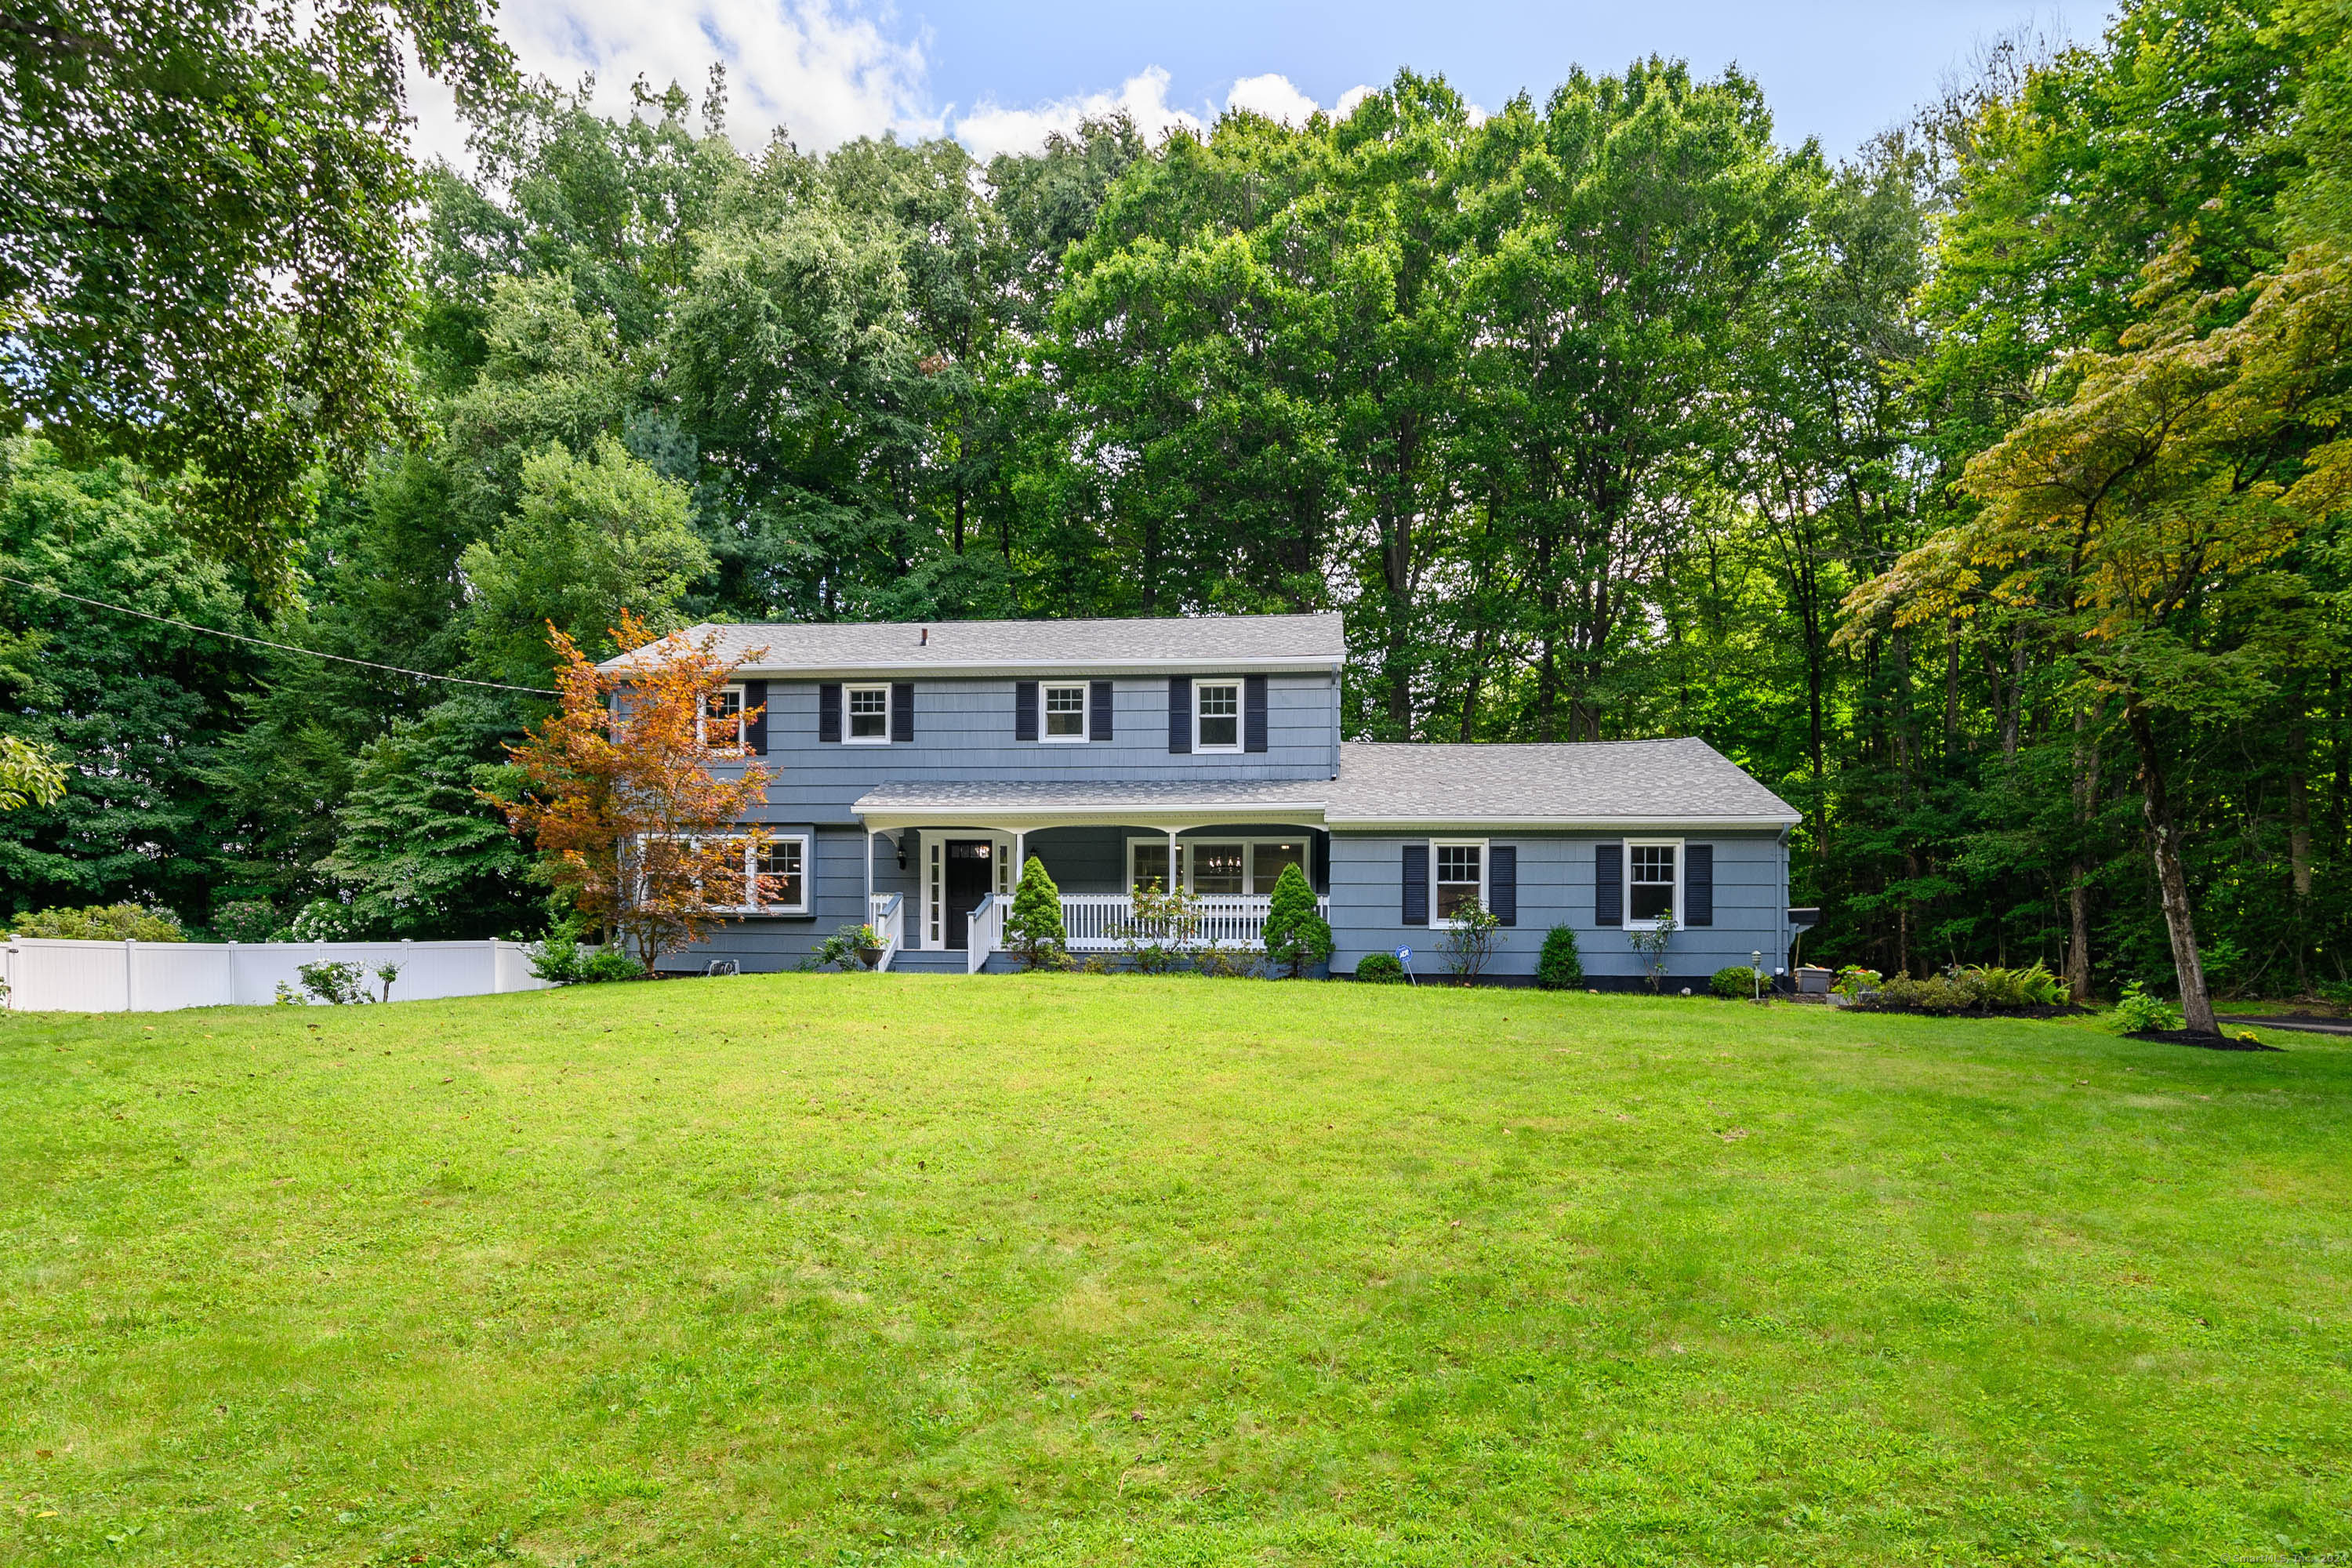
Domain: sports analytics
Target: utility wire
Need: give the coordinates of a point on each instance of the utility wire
(281, 647)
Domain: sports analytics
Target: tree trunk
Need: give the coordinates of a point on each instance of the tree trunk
(2171, 877)
(2078, 872)
(2299, 839)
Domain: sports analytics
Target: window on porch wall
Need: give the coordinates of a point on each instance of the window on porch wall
(1151, 866)
(1267, 861)
(1218, 869)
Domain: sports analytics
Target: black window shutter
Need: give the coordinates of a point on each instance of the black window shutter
(1180, 713)
(828, 711)
(1416, 884)
(1322, 862)
(755, 729)
(902, 711)
(1698, 884)
(1503, 882)
(1608, 884)
(1099, 722)
(1254, 714)
(1024, 709)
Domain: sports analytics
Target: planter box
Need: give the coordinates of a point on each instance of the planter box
(1812, 981)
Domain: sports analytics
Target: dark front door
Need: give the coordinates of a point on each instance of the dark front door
(971, 876)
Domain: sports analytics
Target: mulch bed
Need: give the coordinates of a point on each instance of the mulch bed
(2199, 1038)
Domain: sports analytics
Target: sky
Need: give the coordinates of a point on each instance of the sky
(1001, 76)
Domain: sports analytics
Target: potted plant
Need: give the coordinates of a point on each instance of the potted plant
(866, 944)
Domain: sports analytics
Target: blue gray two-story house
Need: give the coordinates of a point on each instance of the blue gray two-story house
(913, 768)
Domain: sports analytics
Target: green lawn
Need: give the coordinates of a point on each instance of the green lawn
(869, 1270)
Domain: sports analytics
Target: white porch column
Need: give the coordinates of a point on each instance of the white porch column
(865, 838)
(1019, 853)
(1175, 878)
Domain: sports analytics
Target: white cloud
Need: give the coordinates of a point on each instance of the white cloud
(824, 74)
(1272, 96)
(991, 128)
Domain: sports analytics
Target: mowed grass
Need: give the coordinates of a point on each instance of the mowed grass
(1069, 1270)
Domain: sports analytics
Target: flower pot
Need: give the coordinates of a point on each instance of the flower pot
(868, 956)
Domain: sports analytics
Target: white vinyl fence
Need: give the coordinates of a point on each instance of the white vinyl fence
(48, 976)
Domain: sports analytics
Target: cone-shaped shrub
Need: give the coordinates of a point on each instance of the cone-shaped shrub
(1035, 928)
(1296, 935)
(1561, 965)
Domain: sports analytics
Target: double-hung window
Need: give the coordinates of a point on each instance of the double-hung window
(1460, 876)
(720, 727)
(1216, 716)
(1652, 888)
(778, 876)
(867, 716)
(1066, 713)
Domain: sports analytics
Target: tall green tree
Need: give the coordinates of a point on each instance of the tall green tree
(204, 238)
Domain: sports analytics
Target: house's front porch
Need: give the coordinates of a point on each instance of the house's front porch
(952, 856)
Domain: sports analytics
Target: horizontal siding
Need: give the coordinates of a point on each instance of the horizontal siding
(1556, 888)
(964, 730)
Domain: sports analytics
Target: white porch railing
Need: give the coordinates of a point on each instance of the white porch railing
(987, 930)
(1098, 921)
(886, 914)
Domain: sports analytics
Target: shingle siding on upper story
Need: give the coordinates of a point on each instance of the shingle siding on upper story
(964, 732)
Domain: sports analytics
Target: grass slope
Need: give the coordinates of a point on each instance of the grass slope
(1065, 1270)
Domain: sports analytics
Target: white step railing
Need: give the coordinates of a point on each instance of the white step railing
(1098, 922)
(886, 914)
(987, 930)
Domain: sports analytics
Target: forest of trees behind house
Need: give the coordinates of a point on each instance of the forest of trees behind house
(1603, 416)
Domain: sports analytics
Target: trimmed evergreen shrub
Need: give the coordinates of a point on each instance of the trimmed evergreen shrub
(1034, 928)
(1381, 969)
(1560, 965)
(1296, 935)
(1736, 984)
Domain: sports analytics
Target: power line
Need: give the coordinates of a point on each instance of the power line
(281, 647)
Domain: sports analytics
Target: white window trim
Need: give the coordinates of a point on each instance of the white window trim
(1086, 712)
(848, 725)
(1249, 844)
(749, 871)
(742, 743)
(1241, 718)
(1486, 870)
(1682, 868)
(808, 875)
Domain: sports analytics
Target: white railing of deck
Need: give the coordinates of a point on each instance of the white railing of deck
(987, 931)
(1098, 922)
(888, 916)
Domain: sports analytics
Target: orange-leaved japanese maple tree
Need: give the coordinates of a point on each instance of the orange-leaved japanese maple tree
(618, 791)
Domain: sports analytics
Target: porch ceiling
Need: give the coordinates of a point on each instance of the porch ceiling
(1038, 804)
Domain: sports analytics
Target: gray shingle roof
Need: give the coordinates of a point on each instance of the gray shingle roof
(1625, 783)
(1104, 646)
(1578, 782)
